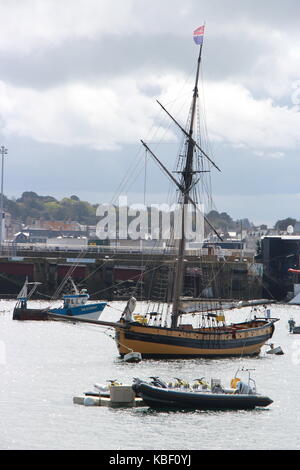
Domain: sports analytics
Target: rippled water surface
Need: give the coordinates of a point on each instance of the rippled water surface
(44, 364)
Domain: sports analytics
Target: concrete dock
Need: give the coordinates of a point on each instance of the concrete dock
(88, 400)
(120, 397)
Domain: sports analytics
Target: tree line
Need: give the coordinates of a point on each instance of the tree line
(32, 206)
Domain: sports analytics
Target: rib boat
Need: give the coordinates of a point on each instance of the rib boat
(159, 395)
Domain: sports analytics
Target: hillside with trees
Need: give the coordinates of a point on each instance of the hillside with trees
(282, 225)
(32, 206)
(224, 223)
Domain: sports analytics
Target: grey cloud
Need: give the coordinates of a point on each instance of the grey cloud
(88, 60)
(274, 13)
(115, 57)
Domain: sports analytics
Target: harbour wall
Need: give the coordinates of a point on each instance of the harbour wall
(116, 276)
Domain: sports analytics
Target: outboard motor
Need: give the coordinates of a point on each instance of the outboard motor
(244, 389)
(135, 385)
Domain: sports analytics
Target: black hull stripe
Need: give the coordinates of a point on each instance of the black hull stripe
(198, 356)
(247, 328)
(221, 404)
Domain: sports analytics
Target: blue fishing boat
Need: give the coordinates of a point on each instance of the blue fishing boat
(74, 305)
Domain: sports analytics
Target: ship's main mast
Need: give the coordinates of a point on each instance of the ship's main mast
(187, 182)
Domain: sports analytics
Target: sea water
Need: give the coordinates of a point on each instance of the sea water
(43, 365)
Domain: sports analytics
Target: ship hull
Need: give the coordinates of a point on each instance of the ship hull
(32, 314)
(153, 342)
(171, 399)
(88, 311)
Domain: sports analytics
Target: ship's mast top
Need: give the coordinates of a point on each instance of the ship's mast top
(187, 182)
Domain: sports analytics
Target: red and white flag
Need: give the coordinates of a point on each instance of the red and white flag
(198, 35)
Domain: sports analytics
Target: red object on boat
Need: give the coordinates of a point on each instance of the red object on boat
(294, 271)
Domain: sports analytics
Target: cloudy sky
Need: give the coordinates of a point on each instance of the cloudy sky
(79, 81)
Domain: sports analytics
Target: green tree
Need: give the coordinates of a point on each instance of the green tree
(282, 225)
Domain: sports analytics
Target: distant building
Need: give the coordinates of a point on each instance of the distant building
(55, 225)
(279, 254)
(226, 245)
(11, 226)
(41, 235)
(70, 242)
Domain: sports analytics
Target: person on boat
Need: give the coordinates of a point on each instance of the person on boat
(267, 312)
(292, 325)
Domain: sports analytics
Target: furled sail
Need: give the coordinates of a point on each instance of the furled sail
(204, 306)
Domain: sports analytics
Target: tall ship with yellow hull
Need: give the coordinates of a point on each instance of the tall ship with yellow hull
(212, 337)
(242, 339)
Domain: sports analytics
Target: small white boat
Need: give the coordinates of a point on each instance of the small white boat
(133, 357)
(275, 351)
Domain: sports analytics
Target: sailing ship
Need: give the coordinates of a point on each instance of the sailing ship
(214, 339)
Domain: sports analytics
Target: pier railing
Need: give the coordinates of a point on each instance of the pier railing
(12, 249)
